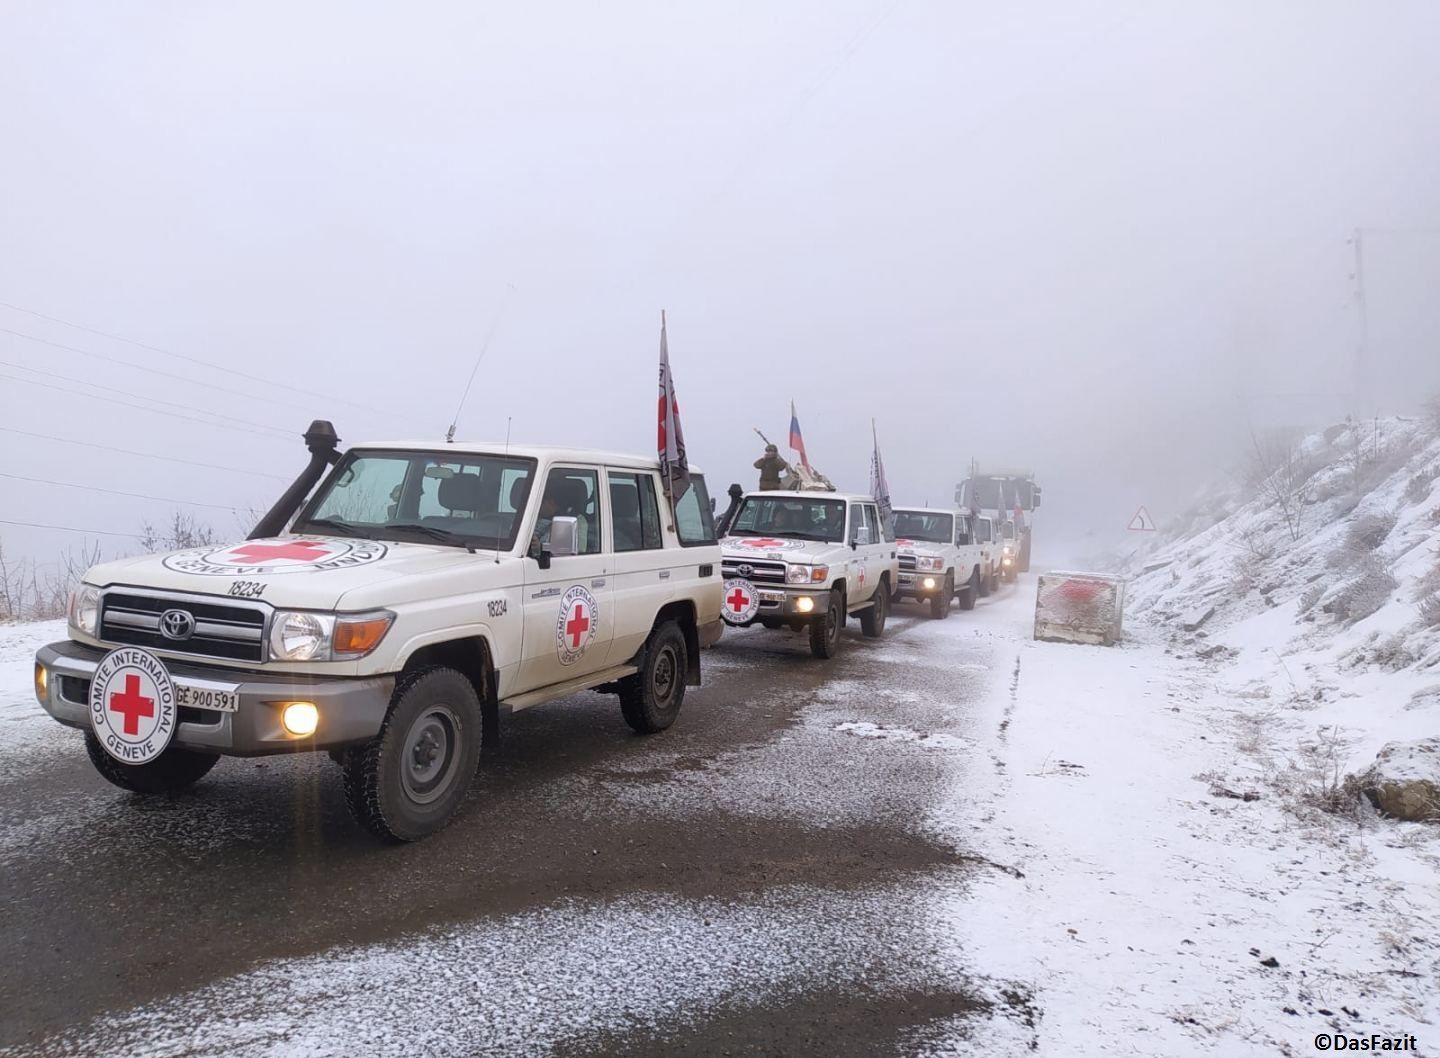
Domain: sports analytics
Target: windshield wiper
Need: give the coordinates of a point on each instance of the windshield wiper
(339, 524)
(434, 532)
(800, 534)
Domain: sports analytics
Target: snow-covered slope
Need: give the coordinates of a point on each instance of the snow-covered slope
(1324, 587)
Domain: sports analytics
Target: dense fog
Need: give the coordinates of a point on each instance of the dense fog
(1103, 241)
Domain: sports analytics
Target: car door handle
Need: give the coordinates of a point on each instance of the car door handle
(664, 574)
(599, 582)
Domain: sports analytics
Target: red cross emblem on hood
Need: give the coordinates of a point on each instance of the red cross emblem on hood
(303, 550)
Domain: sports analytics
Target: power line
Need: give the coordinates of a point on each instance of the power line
(183, 356)
(72, 529)
(117, 492)
(143, 455)
(288, 434)
(140, 407)
(229, 391)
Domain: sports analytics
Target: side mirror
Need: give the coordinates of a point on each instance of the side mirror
(1035, 499)
(862, 536)
(564, 536)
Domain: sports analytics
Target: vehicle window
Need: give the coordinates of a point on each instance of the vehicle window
(962, 531)
(464, 500)
(790, 516)
(924, 525)
(635, 512)
(872, 520)
(693, 521)
(571, 492)
(982, 530)
(857, 519)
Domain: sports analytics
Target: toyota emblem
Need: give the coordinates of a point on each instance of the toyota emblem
(178, 625)
(745, 570)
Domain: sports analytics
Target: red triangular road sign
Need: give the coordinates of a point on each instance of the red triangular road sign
(1142, 522)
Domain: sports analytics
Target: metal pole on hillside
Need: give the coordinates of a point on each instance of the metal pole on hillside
(1362, 347)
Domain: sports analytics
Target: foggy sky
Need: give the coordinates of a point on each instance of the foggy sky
(1100, 240)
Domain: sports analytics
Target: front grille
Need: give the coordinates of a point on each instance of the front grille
(236, 633)
(907, 561)
(760, 572)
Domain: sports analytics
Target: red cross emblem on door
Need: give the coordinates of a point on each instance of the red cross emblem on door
(577, 626)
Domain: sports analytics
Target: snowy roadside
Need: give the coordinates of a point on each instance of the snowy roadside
(29, 739)
(1160, 912)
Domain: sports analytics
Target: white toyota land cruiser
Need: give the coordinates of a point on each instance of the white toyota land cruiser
(938, 559)
(422, 590)
(806, 560)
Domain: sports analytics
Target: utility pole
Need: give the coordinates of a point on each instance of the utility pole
(1362, 350)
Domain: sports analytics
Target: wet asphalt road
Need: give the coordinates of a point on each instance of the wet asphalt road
(112, 902)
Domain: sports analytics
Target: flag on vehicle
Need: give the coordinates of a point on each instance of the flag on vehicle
(796, 441)
(670, 440)
(879, 487)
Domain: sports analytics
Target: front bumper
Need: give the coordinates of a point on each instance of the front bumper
(913, 584)
(351, 709)
(781, 604)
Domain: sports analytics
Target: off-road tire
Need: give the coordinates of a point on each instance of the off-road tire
(388, 788)
(172, 771)
(650, 700)
(940, 604)
(872, 618)
(971, 591)
(825, 629)
(994, 582)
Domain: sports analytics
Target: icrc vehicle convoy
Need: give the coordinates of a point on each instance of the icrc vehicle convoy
(390, 613)
(420, 592)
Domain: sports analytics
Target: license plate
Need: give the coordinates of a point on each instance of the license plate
(217, 699)
(907, 578)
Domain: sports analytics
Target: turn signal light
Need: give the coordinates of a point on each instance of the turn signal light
(359, 637)
(300, 718)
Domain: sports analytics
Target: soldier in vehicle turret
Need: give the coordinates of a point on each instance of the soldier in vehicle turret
(771, 467)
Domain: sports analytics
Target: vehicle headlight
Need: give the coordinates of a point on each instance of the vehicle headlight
(327, 637)
(936, 564)
(83, 612)
(301, 636)
(798, 574)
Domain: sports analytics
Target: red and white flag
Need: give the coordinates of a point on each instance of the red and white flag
(670, 441)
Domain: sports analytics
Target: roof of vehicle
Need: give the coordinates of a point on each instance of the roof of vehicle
(554, 453)
(809, 494)
(924, 510)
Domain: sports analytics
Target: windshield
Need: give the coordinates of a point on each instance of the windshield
(790, 518)
(923, 525)
(465, 500)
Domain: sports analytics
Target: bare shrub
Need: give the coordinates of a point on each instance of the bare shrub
(1418, 489)
(1430, 610)
(1278, 472)
(1311, 596)
(1368, 532)
(1364, 593)
(1315, 778)
(1431, 412)
(183, 531)
(34, 591)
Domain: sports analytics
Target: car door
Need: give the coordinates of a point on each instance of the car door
(569, 608)
(855, 587)
(641, 565)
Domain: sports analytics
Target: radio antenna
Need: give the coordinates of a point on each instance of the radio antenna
(484, 348)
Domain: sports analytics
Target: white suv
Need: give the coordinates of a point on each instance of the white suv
(939, 560)
(421, 592)
(807, 560)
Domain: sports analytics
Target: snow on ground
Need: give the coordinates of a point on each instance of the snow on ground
(1152, 900)
(28, 737)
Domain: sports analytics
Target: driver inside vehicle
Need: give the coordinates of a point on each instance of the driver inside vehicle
(564, 497)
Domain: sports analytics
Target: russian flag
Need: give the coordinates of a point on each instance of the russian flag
(797, 442)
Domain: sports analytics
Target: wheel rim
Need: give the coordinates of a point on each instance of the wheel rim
(832, 624)
(665, 676)
(430, 756)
